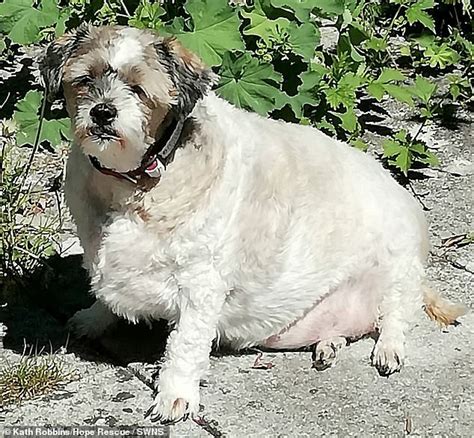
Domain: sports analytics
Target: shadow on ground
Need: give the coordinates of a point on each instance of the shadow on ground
(36, 319)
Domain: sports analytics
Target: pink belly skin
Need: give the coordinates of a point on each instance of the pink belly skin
(350, 311)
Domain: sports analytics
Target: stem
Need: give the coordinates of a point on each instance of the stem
(124, 6)
(35, 145)
(389, 29)
(60, 216)
(418, 132)
(457, 17)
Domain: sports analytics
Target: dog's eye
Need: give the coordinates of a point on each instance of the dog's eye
(82, 80)
(139, 91)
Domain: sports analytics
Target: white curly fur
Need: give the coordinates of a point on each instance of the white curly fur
(260, 233)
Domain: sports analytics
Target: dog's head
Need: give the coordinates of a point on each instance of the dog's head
(119, 84)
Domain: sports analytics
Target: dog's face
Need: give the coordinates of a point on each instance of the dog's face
(119, 84)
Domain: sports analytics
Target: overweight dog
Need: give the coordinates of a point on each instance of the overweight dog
(229, 225)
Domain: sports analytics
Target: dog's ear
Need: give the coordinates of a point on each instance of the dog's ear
(55, 56)
(191, 78)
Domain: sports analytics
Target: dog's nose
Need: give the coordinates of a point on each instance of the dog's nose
(103, 113)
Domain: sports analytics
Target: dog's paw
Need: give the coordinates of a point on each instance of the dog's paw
(92, 322)
(168, 408)
(388, 356)
(325, 352)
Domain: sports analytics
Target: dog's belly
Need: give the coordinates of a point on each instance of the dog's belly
(350, 311)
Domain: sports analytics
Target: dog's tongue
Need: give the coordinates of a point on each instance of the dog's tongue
(153, 169)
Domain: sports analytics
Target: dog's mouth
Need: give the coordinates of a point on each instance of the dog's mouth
(104, 133)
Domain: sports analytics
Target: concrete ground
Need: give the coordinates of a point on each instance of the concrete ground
(432, 396)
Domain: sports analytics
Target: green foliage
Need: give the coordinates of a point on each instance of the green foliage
(313, 62)
(27, 116)
(271, 58)
(212, 30)
(249, 83)
(26, 238)
(34, 375)
(403, 150)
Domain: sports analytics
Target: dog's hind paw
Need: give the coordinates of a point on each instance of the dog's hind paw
(325, 352)
(388, 356)
(92, 322)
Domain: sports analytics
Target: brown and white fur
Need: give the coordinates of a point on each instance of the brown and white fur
(259, 233)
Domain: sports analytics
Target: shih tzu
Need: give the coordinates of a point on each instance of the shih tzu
(229, 225)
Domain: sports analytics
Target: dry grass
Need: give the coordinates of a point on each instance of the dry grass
(31, 377)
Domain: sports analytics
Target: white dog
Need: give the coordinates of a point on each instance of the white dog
(227, 224)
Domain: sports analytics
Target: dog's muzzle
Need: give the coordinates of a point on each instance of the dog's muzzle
(156, 158)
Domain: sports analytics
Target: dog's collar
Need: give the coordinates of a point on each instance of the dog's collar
(156, 158)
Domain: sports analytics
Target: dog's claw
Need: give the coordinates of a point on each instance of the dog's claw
(149, 411)
(172, 417)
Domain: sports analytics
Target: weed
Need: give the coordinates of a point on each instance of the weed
(33, 376)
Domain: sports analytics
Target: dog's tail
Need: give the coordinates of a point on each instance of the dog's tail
(440, 309)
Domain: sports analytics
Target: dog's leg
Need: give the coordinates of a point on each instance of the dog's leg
(398, 306)
(92, 322)
(188, 349)
(325, 352)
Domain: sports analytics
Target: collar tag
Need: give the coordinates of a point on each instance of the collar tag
(155, 169)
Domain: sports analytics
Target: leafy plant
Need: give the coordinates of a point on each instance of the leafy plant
(403, 150)
(27, 118)
(34, 375)
(273, 57)
(28, 237)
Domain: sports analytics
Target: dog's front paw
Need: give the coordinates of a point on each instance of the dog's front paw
(388, 356)
(91, 322)
(169, 407)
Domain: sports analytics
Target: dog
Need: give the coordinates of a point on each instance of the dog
(233, 227)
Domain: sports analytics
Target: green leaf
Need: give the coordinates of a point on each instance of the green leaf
(262, 26)
(441, 56)
(147, 15)
(389, 75)
(325, 125)
(391, 148)
(344, 92)
(348, 119)
(216, 30)
(402, 94)
(344, 45)
(303, 39)
(22, 22)
(249, 84)
(404, 160)
(426, 112)
(26, 117)
(430, 158)
(417, 147)
(60, 27)
(377, 44)
(301, 8)
(331, 7)
(376, 90)
(416, 13)
(405, 50)
(360, 144)
(424, 89)
(425, 39)
(402, 135)
(305, 96)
